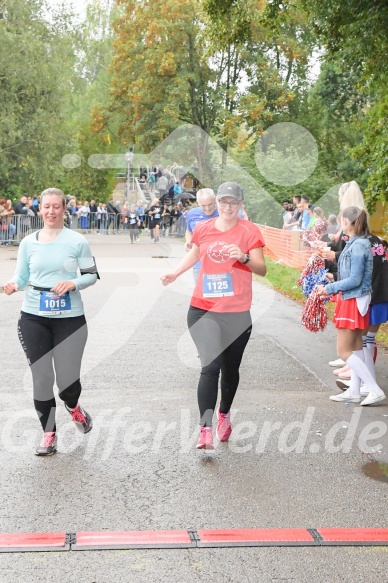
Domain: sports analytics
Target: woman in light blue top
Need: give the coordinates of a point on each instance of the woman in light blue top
(351, 318)
(52, 327)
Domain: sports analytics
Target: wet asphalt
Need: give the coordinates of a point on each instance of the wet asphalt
(295, 458)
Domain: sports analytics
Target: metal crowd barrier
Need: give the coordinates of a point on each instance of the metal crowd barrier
(15, 227)
(112, 224)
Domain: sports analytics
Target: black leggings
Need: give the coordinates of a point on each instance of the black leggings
(133, 232)
(53, 343)
(220, 339)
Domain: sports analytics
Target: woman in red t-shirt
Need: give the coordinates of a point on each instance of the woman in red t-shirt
(219, 320)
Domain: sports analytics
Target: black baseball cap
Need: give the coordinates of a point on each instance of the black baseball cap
(231, 189)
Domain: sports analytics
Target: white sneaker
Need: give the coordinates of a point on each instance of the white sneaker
(374, 397)
(364, 391)
(338, 362)
(345, 397)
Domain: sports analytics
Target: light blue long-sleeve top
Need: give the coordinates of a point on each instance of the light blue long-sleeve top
(44, 264)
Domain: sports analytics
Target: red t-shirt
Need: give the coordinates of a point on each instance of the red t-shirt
(224, 284)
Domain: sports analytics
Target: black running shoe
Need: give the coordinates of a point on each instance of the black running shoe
(81, 418)
(48, 445)
(343, 385)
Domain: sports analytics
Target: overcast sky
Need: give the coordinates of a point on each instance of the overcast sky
(79, 6)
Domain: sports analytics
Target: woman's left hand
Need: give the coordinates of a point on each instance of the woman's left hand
(236, 253)
(62, 287)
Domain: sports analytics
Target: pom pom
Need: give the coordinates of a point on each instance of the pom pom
(315, 264)
(313, 274)
(314, 316)
(312, 280)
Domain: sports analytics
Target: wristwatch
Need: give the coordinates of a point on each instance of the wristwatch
(247, 258)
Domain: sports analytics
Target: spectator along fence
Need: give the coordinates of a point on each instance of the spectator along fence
(283, 246)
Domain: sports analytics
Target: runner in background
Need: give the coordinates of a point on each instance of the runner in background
(219, 320)
(206, 209)
(52, 327)
(155, 215)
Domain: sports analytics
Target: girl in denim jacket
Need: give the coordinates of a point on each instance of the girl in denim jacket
(351, 318)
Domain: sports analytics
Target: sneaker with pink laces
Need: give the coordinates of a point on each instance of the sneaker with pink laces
(81, 418)
(48, 445)
(205, 440)
(224, 427)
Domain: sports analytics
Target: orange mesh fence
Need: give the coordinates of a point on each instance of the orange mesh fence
(285, 247)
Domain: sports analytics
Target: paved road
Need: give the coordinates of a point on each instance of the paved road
(296, 459)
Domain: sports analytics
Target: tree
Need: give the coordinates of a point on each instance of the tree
(90, 89)
(373, 149)
(168, 69)
(353, 36)
(161, 77)
(278, 55)
(356, 34)
(355, 29)
(33, 89)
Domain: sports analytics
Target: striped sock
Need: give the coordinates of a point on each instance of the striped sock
(368, 356)
(370, 339)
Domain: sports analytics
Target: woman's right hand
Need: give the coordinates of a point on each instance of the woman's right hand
(329, 255)
(10, 288)
(321, 291)
(318, 244)
(168, 278)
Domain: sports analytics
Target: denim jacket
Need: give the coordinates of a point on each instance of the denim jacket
(354, 270)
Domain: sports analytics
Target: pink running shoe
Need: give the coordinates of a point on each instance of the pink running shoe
(224, 428)
(81, 418)
(339, 371)
(48, 445)
(205, 440)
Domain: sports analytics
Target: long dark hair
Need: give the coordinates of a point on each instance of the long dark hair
(358, 219)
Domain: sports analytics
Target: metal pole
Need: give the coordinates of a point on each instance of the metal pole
(129, 157)
(128, 179)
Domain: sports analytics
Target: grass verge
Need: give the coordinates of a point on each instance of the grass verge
(285, 281)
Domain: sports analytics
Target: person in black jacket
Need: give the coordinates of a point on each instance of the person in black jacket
(23, 222)
(378, 313)
(112, 212)
(93, 214)
(21, 207)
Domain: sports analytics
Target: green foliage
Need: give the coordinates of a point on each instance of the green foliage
(357, 29)
(283, 279)
(168, 71)
(91, 79)
(318, 185)
(233, 68)
(373, 150)
(346, 109)
(33, 89)
(335, 108)
(47, 88)
(356, 35)
(231, 20)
